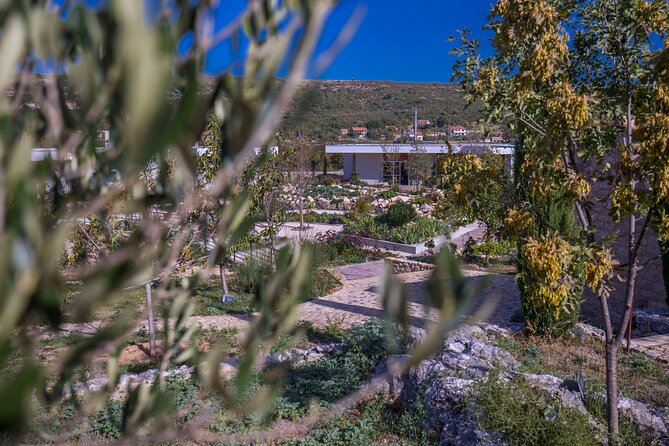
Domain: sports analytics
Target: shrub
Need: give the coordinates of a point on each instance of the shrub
(419, 200)
(487, 248)
(361, 206)
(386, 194)
(248, 273)
(362, 348)
(365, 226)
(526, 416)
(400, 213)
(418, 231)
(421, 230)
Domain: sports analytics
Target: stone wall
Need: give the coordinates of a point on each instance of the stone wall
(650, 288)
(407, 266)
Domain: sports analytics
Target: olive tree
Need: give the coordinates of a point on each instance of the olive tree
(140, 73)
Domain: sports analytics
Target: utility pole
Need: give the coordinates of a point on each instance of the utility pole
(415, 124)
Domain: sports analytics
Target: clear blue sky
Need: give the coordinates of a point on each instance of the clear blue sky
(404, 40)
(398, 40)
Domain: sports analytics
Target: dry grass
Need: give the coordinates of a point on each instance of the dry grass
(639, 376)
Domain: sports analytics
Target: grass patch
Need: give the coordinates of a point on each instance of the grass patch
(639, 377)
(131, 300)
(525, 417)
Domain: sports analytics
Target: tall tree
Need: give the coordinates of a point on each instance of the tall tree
(596, 106)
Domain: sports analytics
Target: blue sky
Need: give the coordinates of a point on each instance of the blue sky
(398, 40)
(404, 40)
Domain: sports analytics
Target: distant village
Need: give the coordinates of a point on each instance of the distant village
(426, 131)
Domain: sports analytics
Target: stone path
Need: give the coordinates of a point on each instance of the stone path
(358, 299)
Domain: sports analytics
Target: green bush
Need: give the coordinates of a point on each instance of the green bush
(363, 347)
(248, 274)
(366, 226)
(488, 248)
(400, 213)
(418, 231)
(419, 200)
(361, 206)
(386, 194)
(526, 417)
(108, 422)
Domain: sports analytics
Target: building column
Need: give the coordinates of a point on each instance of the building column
(508, 166)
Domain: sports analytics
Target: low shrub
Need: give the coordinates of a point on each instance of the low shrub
(386, 194)
(488, 248)
(327, 180)
(418, 231)
(315, 217)
(399, 214)
(248, 273)
(525, 416)
(361, 206)
(419, 200)
(415, 232)
(344, 249)
(362, 348)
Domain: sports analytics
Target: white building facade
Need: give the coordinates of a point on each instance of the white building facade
(379, 164)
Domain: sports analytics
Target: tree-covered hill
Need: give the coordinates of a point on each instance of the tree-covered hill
(324, 107)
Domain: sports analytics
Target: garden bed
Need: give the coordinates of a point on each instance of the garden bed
(417, 248)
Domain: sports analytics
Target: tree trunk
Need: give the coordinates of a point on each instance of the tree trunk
(612, 387)
(301, 216)
(149, 315)
(224, 282)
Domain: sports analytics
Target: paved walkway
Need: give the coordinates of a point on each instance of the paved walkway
(359, 299)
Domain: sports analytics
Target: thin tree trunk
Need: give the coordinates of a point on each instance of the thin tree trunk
(224, 282)
(301, 216)
(149, 315)
(612, 387)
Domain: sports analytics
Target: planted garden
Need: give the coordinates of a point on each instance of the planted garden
(399, 224)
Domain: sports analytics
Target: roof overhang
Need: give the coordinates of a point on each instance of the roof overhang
(476, 148)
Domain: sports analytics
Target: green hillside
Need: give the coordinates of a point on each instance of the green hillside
(324, 107)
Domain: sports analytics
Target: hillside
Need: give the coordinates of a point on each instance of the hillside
(324, 107)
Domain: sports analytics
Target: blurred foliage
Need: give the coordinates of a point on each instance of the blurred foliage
(145, 209)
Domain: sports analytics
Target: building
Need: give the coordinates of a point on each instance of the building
(388, 163)
(343, 132)
(359, 132)
(422, 123)
(457, 130)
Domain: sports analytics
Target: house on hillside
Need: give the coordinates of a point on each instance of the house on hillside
(457, 130)
(359, 132)
(343, 133)
(422, 123)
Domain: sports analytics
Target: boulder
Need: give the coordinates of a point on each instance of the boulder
(466, 357)
(651, 321)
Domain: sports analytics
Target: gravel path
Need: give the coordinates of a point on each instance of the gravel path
(358, 300)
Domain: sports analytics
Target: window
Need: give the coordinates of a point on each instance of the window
(395, 173)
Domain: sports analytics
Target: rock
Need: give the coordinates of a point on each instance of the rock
(651, 321)
(643, 415)
(387, 379)
(565, 390)
(447, 412)
(470, 357)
